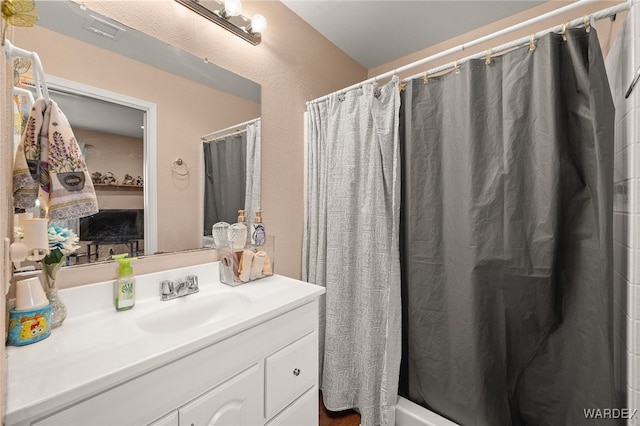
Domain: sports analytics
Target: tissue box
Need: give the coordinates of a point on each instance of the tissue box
(29, 326)
(248, 263)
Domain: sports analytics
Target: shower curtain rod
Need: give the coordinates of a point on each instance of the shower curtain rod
(217, 132)
(462, 47)
(496, 51)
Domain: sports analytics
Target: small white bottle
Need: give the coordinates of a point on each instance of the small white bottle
(258, 233)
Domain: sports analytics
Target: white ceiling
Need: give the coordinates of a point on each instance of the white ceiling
(376, 32)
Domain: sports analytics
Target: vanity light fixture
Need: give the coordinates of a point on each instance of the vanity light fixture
(228, 14)
(231, 8)
(258, 24)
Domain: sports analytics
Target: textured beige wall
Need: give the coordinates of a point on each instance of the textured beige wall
(116, 154)
(106, 152)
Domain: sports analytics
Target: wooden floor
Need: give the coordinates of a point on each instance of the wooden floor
(337, 418)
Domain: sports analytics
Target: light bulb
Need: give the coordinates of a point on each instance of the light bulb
(258, 24)
(232, 8)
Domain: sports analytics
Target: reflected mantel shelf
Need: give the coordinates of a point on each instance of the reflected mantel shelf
(109, 187)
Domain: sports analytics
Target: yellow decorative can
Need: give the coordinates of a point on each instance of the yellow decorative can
(29, 326)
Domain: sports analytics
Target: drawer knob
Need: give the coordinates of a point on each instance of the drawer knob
(296, 372)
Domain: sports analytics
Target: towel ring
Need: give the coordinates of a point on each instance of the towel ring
(179, 167)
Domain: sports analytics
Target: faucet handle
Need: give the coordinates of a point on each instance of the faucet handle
(166, 288)
(192, 280)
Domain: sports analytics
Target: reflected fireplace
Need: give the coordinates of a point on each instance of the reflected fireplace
(111, 227)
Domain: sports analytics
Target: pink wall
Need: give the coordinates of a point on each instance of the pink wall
(106, 152)
(119, 155)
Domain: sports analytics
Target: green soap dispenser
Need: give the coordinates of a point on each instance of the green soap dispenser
(125, 284)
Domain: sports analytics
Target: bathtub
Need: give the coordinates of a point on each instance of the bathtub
(411, 414)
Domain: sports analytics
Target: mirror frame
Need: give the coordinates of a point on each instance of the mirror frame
(150, 166)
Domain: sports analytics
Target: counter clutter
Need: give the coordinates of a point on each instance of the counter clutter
(164, 362)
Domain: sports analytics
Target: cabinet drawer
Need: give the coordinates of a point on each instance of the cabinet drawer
(290, 372)
(303, 412)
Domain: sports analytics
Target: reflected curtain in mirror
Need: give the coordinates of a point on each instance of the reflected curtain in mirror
(253, 173)
(224, 180)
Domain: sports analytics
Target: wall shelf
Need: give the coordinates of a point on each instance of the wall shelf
(108, 187)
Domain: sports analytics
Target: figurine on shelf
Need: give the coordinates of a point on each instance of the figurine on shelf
(139, 181)
(109, 179)
(96, 177)
(128, 179)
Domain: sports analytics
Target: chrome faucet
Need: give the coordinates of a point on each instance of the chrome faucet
(182, 288)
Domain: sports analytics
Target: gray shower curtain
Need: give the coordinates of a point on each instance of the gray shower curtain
(351, 246)
(507, 252)
(225, 162)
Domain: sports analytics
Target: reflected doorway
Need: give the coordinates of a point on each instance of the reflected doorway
(116, 134)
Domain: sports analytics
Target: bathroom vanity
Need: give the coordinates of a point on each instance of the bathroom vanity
(245, 355)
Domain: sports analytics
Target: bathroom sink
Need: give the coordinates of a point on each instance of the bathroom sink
(192, 312)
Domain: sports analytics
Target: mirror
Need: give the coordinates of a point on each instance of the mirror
(178, 96)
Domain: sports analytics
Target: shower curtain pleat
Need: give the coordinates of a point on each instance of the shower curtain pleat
(351, 247)
(224, 185)
(506, 237)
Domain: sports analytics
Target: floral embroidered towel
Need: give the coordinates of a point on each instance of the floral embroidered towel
(71, 192)
(26, 166)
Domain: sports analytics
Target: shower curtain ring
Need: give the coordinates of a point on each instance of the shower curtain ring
(564, 31)
(587, 23)
(425, 78)
(532, 43)
(487, 60)
(456, 68)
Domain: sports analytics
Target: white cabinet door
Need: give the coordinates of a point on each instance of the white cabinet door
(170, 419)
(236, 402)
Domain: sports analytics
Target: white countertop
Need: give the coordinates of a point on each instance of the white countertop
(98, 347)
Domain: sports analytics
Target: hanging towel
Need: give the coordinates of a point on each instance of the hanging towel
(26, 166)
(71, 194)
